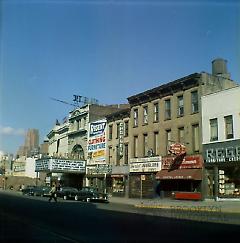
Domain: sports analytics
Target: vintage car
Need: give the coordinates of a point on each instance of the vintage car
(42, 191)
(67, 193)
(90, 194)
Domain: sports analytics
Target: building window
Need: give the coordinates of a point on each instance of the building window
(213, 129)
(194, 98)
(167, 109)
(145, 145)
(156, 112)
(117, 155)
(195, 129)
(135, 117)
(126, 128)
(181, 135)
(168, 140)
(228, 126)
(110, 132)
(180, 106)
(156, 145)
(145, 115)
(135, 146)
(126, 154)
(110, 153)
(118, 130)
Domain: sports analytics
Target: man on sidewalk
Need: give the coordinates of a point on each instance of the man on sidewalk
(53, 193)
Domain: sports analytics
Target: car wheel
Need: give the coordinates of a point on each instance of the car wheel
(64, 197)
(76, 198)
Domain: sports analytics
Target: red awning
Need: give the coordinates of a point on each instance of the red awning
(180, 174)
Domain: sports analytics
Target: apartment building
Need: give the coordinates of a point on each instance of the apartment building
(166, 115)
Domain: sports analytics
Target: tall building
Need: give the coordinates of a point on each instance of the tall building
(31, 145)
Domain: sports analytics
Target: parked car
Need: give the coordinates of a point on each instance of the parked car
(67, 193)
(42, 191)
(28, 190)
(90, 194)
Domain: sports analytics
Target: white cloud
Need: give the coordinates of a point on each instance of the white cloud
(12, 131)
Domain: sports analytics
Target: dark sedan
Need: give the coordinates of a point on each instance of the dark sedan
(42, 191)
(88, 194)
(67, 193)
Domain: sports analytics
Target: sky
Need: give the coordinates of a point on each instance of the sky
(107, 50)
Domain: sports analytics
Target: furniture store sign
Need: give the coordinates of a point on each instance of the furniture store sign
(151, 164)
(97, 142)
(222, 152)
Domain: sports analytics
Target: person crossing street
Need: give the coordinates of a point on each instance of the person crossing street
(53, 193)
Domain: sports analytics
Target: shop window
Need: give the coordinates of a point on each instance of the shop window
(110, 132)
(167, 109)
(228, 127)
(155, 112)
(145, 115)
(213, 129)
(135, 117)
(180, 106)
(118, 185)
(195, 131)
(194, 101)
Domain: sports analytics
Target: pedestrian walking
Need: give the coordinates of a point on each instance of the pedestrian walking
(53, 193)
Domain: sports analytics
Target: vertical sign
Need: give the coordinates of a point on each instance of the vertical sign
(97, 142)
(121, 134)
(221, 181)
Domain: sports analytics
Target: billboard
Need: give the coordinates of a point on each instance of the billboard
(96, 146)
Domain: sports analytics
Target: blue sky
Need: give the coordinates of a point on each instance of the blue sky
(108, 50)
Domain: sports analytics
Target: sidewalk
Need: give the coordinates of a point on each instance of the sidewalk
(226, 206)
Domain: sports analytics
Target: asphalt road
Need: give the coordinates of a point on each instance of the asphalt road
(28, 219)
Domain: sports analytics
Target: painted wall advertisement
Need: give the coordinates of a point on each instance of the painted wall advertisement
(97, 142)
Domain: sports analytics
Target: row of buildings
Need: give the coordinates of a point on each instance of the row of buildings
(180, 139)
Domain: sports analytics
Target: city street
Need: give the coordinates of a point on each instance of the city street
(33, 219)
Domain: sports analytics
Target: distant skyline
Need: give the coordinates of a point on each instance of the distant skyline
(107, 50)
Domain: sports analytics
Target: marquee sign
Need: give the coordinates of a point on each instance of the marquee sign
(60, 165)
(99, 169)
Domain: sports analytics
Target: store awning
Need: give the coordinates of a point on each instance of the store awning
(180, 174)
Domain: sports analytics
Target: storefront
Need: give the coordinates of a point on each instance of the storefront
(142, 182)
(120, 180)
(99, 176)
(181, 175)
(62, 171)
(222, 169)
